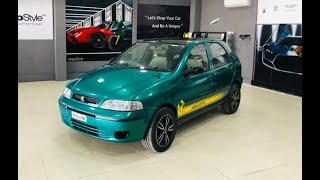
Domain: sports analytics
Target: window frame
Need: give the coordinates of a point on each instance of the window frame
(229, 59)
(205, 49)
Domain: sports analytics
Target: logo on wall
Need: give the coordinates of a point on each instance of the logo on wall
(97, 30)
(35, 22)
(30, 20)
(279, 12)
(29, 17)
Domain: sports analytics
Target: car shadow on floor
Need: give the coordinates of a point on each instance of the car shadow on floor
(198, 121)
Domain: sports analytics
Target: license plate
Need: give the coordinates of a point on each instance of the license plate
(79, 116)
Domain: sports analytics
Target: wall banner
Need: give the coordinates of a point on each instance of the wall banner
(97, 30)
(279, 12)
(162, 21)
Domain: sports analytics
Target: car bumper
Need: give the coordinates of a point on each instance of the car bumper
(104, 124)
(72, 39)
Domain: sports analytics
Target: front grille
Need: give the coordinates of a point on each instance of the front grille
(86, 128)
(86, 99)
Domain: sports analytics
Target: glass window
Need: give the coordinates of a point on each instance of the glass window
(219, 55)
(198, 58)
(158, 56)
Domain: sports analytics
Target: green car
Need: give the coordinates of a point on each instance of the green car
(151, 88)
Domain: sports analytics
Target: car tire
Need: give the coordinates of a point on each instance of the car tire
(98, 40)
(112, 43)
(161, 132)
(232, 102)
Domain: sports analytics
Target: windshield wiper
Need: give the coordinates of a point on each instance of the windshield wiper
(119, 64)
(125, 65)
(155, 68)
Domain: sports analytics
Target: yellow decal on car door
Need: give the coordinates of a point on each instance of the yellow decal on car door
(183, 110)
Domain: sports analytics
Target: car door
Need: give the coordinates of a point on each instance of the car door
(223, 68)
(195, 87)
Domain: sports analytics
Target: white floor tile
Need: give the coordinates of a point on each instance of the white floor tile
(262, 140)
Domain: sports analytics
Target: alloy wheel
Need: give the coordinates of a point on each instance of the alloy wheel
(98, 40)
(164, 132)
(235, 98)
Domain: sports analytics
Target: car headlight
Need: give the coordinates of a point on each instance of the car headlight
(118, 105)
(67, 92)
(77, 33)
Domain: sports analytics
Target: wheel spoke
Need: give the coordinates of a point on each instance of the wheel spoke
(160, 126)
(160, 138)
(232, 105)
(171, 128)
(235, 104)
(167, 120)
(167, 138)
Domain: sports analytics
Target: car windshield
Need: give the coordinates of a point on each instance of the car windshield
(104, 25)
(116, 25)
(158, 56)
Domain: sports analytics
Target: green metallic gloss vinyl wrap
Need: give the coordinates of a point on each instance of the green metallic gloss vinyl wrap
(153, 88)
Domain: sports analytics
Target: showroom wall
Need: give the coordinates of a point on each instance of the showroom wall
(75, 69)
(35, 41)
(241, 20)
(36, 60)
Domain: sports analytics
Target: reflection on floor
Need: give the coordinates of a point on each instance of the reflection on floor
(262, 141)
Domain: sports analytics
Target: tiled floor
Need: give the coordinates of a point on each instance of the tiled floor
(262, 141)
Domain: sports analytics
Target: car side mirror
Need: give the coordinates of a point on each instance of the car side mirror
(193, 71)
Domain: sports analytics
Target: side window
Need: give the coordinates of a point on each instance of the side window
(198, 58)
(219, 55)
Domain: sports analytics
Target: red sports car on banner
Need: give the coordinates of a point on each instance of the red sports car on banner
(96, 35)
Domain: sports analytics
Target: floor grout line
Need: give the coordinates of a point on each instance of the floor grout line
(45, 169)
(159, 168)
(261, 170)
(93, 175)
(225, 177)
(155, 164)
(95, 158)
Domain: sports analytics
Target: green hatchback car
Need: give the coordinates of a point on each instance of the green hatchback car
(151, 88)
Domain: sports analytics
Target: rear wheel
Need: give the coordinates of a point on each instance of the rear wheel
(98, 40)
(161, 132)
(233, 100)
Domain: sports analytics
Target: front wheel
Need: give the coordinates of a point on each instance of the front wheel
(233, 100)
(161, 132)
(114, 42)
(98, 40)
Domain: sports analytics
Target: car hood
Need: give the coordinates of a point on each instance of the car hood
(111, 82)
(79, 29)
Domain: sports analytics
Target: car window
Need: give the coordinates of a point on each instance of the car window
(198, 57)
(219, 55)
(158, 56)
